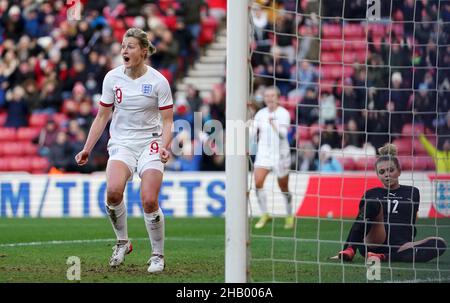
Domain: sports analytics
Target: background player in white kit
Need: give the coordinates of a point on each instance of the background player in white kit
(273, 154)
(140, 136)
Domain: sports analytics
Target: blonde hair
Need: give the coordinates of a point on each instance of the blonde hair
(388, 152)
(141, 36)
(388, 149)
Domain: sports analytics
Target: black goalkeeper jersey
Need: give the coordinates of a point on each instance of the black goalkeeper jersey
(400, 207)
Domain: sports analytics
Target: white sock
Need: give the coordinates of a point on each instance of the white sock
(288, 199)
(154, 222)
(118, 217)
(262, 200)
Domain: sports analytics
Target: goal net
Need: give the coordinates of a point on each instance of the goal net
(353, 75)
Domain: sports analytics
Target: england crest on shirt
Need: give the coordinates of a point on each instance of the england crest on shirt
(147, 89)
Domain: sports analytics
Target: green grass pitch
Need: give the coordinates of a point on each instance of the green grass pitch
(36, 250)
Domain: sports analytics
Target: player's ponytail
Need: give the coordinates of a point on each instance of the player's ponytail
(388, 152)
(142, 37)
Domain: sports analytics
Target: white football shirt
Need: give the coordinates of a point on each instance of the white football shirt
(270, 144)
(136, 117)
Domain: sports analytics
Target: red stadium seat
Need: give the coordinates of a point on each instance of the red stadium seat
(27, 133)
(331, 45)
(404, 146)
(331, 31)
(366, 163)
(335, 71)
(398, 29)
(4, 164)
(351, 57)
(412, 163)
(377, 30)
(19, 164)
(29, 149)
(412, 130)
(59, 118)
(38, 120)
(355, 46)
(347, 163)
(7, 134)
(331, 57)
(315, 128)
(354, 32)
(39, 165)
(3, 117)
(303, 133)
(208, 29)
(12, 149)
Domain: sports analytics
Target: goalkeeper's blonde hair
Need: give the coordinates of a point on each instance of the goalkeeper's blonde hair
(388, 152)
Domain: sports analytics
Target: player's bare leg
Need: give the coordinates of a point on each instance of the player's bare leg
(260, 177)
(117, 174)
(153, 217)
(283, 183)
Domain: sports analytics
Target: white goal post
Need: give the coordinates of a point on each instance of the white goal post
(236, 219)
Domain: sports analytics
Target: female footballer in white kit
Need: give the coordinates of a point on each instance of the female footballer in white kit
(140, 136)
(273, 154)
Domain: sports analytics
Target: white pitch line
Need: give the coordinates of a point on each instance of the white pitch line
(56, 242)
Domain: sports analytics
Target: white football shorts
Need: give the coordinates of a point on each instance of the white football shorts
(278, 165)
(138, 158)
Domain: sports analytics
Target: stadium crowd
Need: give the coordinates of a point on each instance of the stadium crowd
(394, 82)
(353, 85)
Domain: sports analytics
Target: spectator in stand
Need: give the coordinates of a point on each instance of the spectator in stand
(399, 105)
(330, 135)
(284, 29)
(308, 109)
(166, 56)
(46, 137)
(424, 107)
(326, 162)
(192, 11)
(193, 98)
(50, 98)
(441, 154)
(353, 136)
(60, 153)
(328, 109)
(352, 106)
(279, 69)
(217, 104)
(13, 23)
(85, 115)
(307, 158)
(16, 108)
(76, 145)
(262, 41)
(303, 78)
(309, 42)
(31, 95)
